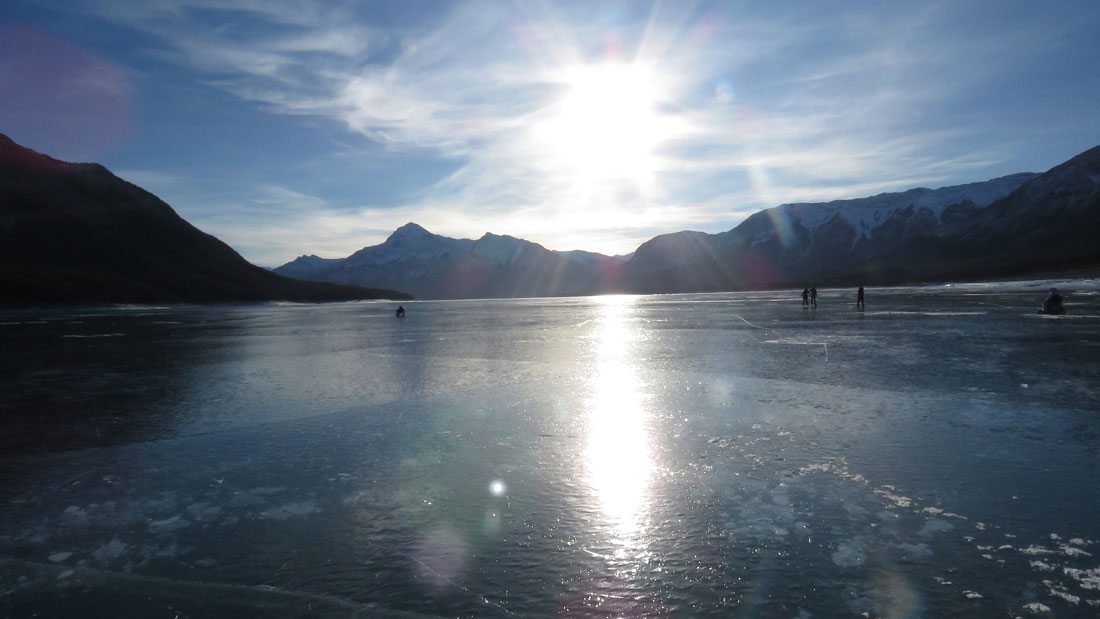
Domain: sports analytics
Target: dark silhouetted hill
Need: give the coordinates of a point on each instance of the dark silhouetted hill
(75, 233)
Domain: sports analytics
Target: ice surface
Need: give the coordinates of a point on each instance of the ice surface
(678, 455)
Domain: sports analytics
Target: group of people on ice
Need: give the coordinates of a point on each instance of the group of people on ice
(809, 297)
(1051, 305)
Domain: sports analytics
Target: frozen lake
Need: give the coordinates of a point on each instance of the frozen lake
(722, 455)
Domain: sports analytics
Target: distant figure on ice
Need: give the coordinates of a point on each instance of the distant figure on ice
(1053, 303)
(400, 312)
(805, 296)
(813, 296)
(859, 298)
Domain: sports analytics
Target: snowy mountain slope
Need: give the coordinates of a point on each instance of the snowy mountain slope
(434, 266)
(1013, 224)
(865, 215)
(1010, 224)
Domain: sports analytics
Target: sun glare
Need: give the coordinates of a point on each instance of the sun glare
(607, 126)
(618, 455)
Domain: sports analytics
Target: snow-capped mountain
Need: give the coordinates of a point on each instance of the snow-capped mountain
(1010, 225)
(433, 266)
(1013, 224)
(866, 215)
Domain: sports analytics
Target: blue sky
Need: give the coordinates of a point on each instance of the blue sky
(289, 128)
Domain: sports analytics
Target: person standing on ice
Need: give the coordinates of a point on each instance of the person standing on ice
(859, 298)
(400, 311)
(1053, 303)
(813, 296)
(805, 296)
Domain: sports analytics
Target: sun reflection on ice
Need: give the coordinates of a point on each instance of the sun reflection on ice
(618, 454)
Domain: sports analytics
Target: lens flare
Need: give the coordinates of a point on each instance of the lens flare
(724, 91)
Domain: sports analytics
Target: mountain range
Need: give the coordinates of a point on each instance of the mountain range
(433, 266)
(76, 233)
(1014, 225)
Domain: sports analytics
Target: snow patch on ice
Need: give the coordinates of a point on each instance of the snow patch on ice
(204, 512)
(1058, 590)
(291, 510)
(915, 550)
(1073, 551)
(267, 490)
(73, 515)
(1087, 579)
(168, 525)
(897, 500)
(934, 526)
(110, 551)
(58, 557)
(849, 555)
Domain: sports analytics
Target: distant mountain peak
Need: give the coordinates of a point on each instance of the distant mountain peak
(409, 231)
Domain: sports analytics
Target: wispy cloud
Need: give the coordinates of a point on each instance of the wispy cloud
(812, 103)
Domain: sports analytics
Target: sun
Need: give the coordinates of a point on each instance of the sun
(607, 125)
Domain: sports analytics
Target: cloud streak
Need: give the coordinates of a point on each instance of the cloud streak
(814, 103)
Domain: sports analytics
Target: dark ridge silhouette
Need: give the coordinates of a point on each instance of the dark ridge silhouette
(74, 233)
